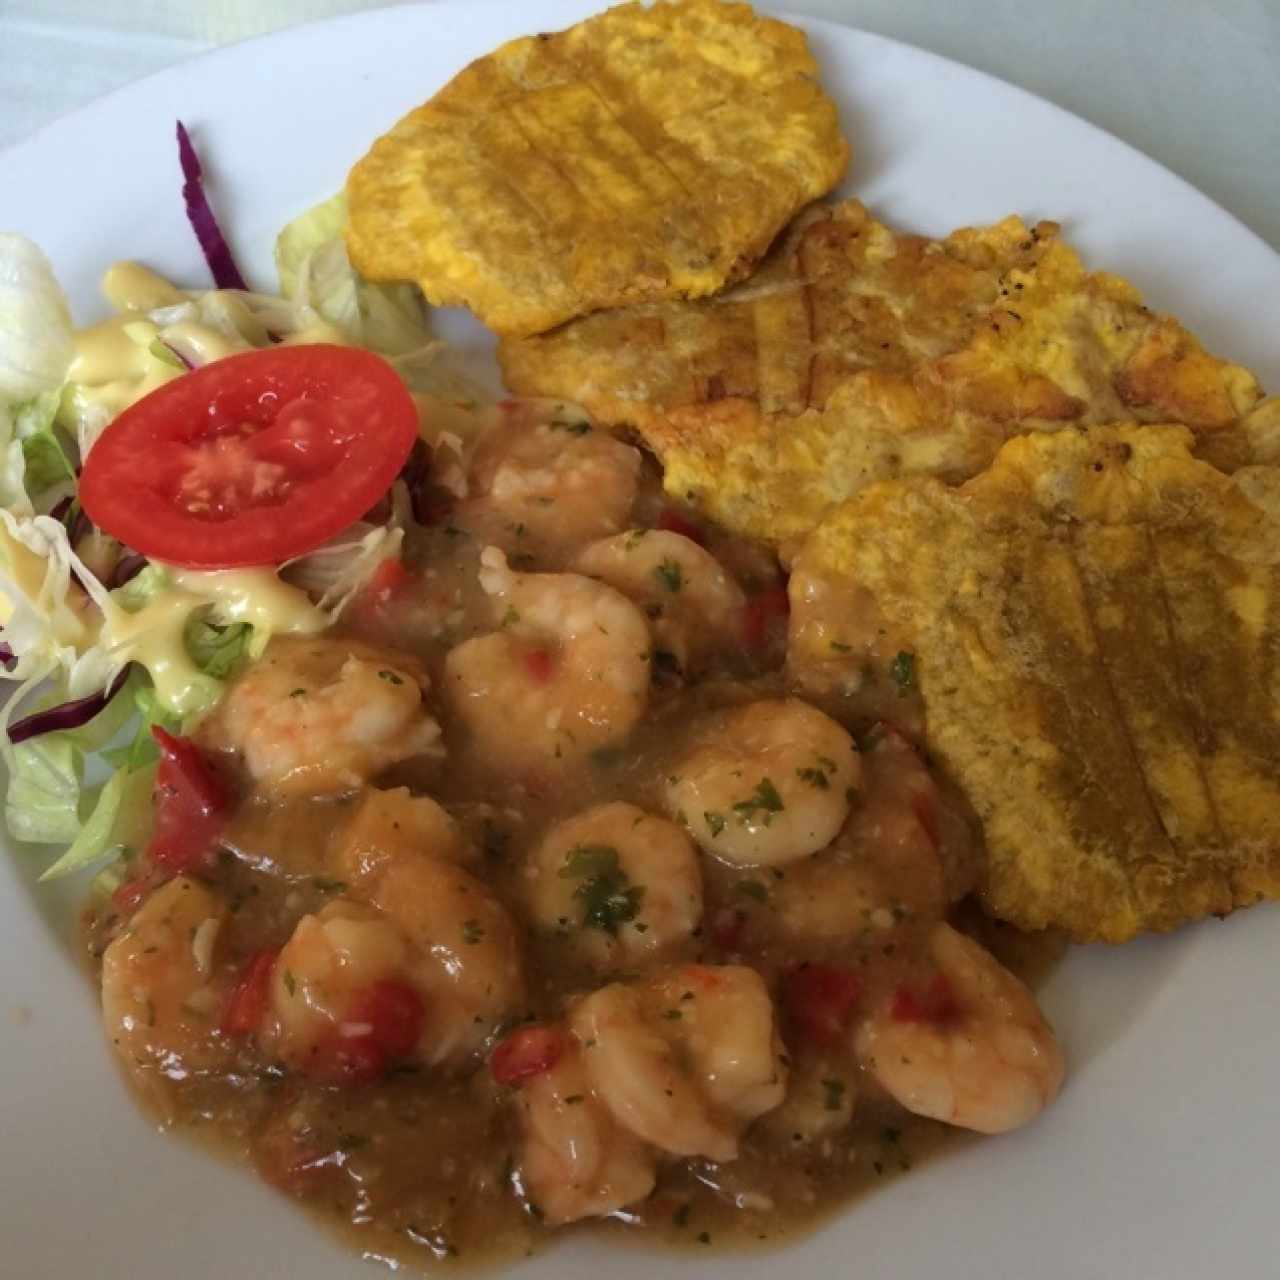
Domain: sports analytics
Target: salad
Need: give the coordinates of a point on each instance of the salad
(140, 567)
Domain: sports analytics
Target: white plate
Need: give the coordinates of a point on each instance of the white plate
(1158, 1159)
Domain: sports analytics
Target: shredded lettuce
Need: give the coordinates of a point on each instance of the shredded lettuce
(36, 343)
(217, 650)
(42, 800)
(315, 272)
(45, 459)
(118, 824)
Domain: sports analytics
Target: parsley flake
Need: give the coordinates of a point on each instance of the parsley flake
(765, 799)
(390, 677)
(834, 1090)
(670, 574)
(608, 898)
(714, 821)
(903, 671)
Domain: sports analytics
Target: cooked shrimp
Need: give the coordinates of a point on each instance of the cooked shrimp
(159, 999)
(393, 822)
(903, 854)
(568, 671)
(982, 1057)
(470, 974)
(544, 488)
(687, 1059)
(772, 785)
(577, 1161)
(618, 883)
(821, 1096)
(694, 604)
(331, 960)
(318, 714)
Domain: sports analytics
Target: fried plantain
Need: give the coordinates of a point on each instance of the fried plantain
(1094, 627)
(857, 353)
(646, 153)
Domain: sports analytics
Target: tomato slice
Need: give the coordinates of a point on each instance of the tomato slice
(191, 805)
(251, 459)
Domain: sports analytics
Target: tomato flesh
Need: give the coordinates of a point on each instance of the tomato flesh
(191, 805)
(252, 459)
(526, 1053)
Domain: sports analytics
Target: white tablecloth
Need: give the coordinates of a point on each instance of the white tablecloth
(1194, 83)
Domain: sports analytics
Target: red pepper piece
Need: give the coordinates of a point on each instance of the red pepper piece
(820, 999)
(191, 807)
(539, 664)
(247, 1003)
(934, 1003)
(674, 521)
(526, 1053)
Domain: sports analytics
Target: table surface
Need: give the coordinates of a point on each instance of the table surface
(1192, 83)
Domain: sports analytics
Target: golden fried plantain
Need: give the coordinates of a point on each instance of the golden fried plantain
(857, 353)
(645, 153)
(1095, 631)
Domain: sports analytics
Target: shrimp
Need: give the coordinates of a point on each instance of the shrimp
(821, 1097)
(160, 1002)
(621, 884)
(904, 854)
(393, 822)
(695, 605)
(322, 715)
(330, 961)
(544, 488)
(983, 1057)
(687, 1059)
(577, 1161)
(567, 673)
(772, 786)
(470, 973)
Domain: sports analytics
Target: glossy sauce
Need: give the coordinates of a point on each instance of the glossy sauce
(423, 1165)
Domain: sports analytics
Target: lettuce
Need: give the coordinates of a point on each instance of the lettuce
(118, 824)
(42, 800)
(45, 460)
(36, 342)
(315, 272)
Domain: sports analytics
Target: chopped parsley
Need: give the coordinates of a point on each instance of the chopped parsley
(510, 618)
(839, 646)
(290, 983)
(472, 932)
(765, 799)
(670, 574)
(573, 428)
(325, 885)
(673, 1015)
(714, 821)
(752, 889)
(608, 897)
(815, 778)
(903, 671)
(390, 677)
(298, 693)
(834, 1090)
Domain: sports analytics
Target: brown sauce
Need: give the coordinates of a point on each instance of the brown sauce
(424, 1165)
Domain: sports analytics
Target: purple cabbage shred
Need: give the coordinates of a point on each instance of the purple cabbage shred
(126, 569)
(213, 244)
(67, 715)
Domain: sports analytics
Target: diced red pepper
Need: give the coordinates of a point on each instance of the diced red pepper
(539, 664)
(526, 1053)
(395, 1012)
(934, 1003)
(674, 521)
(388, 580)
(761, 611)
(821, 999)
(133, 893)
(247, 1003)
(191, 804)
(384, 1023)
